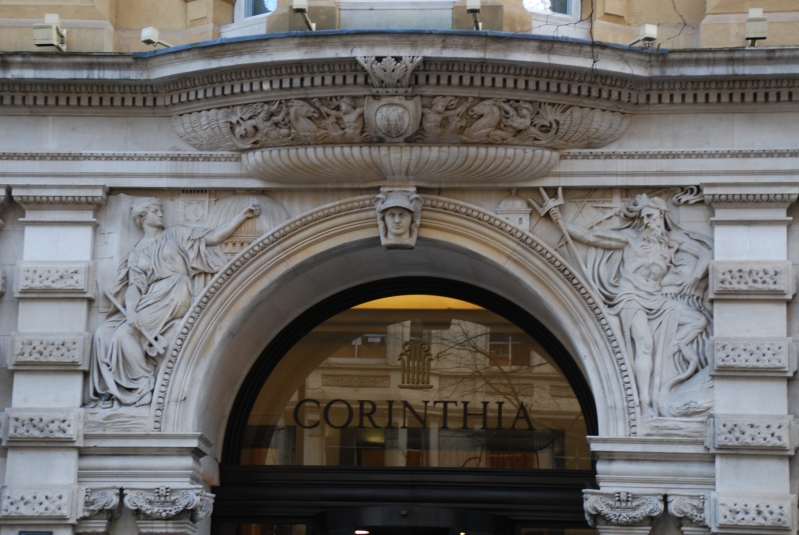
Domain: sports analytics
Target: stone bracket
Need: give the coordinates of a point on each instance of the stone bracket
(621, 508)
(752, 434)
(752, 513)
(47, 351)
(44, 427)
(37, 506)
(752, 280)
(55, 279)
(750, 356)
(691, 509)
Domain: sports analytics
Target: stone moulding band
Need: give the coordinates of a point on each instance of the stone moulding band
(120, 156)
(366, 204)
(374, 164)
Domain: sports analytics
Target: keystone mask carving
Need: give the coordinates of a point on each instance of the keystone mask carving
(399, 213)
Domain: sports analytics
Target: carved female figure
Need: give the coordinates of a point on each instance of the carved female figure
(154, 291)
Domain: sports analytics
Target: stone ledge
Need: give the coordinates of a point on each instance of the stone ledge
(38, 505)
(45, 351)
(55, 279)
(44, 427)
(753, 357)
(752, 434)
(752, 280)
(752, 513)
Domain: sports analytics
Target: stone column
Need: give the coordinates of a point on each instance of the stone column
(751, 433)
(49, 354)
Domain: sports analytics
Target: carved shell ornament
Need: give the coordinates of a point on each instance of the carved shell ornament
(391, 133)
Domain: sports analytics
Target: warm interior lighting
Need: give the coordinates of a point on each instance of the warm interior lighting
(419, 302)
(361, 532)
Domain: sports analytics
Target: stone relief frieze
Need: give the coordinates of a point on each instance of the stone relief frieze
(753, 512)
(756, 279)
(691, 509)
(761, 433)
(399, 213)
(164, 503)
(154, 290)
(40, 504)
(44, 278)
(100, 503)
(652, 274)
(424, 120)
(41, 350)
(753, 356)
(621, 508)
(26, 425)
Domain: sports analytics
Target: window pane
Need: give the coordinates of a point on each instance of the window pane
(548, 6)
(260, 7)
(417, 381)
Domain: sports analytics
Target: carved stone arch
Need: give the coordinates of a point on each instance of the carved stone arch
(335, 247)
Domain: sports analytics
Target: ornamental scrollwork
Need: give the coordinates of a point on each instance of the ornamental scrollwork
(690, 509)
(620, 508)
(163, 503)
(100, 503)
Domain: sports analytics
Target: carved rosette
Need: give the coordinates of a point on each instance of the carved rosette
(164, 503)
(621, 508)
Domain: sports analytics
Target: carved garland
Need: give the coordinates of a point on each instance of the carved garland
(361, 203)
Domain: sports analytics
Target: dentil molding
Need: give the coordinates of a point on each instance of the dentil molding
(621, 508)
(749, 357)
(752, 280)
(47, 351)
(755, 434)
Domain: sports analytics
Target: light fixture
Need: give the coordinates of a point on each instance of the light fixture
(301, 6)
(473, 7)
(50, 33)
(149, 36)
(649, 32)
(756, 26)
(361, 532)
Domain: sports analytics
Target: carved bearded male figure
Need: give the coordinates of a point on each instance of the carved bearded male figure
(154, 291)
(652, 274)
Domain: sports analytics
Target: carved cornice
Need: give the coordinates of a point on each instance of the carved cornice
(621, 508)
(38, 427)
(753, 513)
(752, 280)
(691, 509)
(100, 503)
(116, 156)
(49, 280)
(678, 155)
(164, 503)
(758, 434)
(761, 357)
(373, 164)
(49, 204)
(366, 204)
(46, 351)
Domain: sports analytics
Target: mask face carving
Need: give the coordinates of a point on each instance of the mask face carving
(398, 217)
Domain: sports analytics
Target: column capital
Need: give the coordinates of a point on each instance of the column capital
(621, 508)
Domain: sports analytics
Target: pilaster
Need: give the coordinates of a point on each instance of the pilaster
(44, 427)
(751, 433)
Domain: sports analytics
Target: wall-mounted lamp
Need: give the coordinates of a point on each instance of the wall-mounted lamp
(301, 6)
(473, 7)
(756, 26)
(648, 35)
(50, 33)
(149, 36)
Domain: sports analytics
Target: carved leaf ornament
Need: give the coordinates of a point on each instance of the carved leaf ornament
(620, 508)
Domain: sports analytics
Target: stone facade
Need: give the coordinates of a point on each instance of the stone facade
(643, 214)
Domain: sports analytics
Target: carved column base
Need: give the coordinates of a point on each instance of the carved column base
(166, 527)
(92, 526)
(610, 529)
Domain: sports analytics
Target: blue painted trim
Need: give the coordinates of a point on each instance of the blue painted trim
(432, 31)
